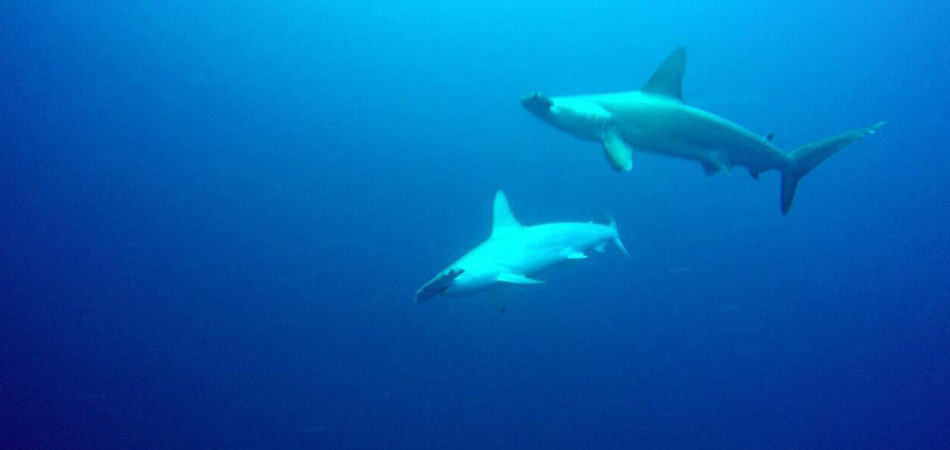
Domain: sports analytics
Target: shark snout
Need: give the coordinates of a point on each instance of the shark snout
(423, 295)
(439, 284)
(537, 103)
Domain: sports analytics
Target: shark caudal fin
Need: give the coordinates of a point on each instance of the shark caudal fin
(803, 159)
(613, 224)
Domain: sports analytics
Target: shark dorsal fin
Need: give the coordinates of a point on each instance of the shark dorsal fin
(668, 79)
(504, 220)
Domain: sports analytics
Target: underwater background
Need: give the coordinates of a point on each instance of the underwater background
(214, 216)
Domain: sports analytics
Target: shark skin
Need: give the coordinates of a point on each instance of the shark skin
(655, 119)
(514, 252)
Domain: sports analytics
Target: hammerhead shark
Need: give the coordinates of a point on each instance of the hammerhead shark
(655, 119)
(514, 252)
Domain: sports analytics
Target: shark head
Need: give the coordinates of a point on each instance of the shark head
(579, 116)
(475, 271)
(455, 281)
(439, 284)
(538, 105)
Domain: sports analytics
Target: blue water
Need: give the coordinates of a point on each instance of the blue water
(213, 219)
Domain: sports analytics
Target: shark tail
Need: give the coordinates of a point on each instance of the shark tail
(613, 224)
(805, 158)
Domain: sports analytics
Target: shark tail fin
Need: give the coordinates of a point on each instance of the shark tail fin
(613, 224)
(805, 158)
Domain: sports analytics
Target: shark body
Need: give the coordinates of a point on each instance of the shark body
(514, 252)
(655, 119)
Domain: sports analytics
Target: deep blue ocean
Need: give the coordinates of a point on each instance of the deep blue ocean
(214, 217)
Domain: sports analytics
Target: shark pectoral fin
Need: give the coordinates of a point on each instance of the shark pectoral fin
(577, 255)
(600, 247)
(514, 278)
(709, 168)
(498, 301)
(714, 164)
(618, 152)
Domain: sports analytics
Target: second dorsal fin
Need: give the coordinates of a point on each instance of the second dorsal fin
(668, 79)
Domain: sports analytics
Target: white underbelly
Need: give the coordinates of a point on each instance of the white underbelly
(704, 144)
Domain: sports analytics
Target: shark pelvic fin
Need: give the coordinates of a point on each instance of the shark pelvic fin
(600, 248)
(618, 152)
(514, 278)
(668, 79)
(503, 219)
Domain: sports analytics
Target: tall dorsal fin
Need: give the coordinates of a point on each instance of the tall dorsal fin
(668, 79)
(503, 219)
